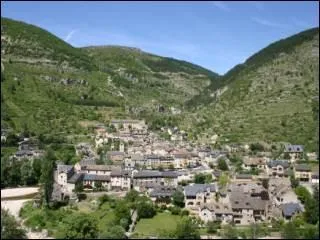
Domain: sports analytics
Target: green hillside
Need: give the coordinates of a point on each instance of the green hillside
(269, 97)
(48, 86)
(25, 42)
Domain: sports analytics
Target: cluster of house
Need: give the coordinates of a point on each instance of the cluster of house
(243, 201)
(28, 149)
(156, 167)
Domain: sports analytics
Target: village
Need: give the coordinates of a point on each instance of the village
(215, 187)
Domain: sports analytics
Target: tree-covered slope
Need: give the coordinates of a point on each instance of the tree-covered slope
(269, 97)
(48, 86)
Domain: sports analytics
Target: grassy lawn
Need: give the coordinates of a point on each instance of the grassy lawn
(162, 222)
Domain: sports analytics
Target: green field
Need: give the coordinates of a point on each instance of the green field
(160, 225)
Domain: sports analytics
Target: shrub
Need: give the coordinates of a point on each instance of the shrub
(175, 210)
(184, 212)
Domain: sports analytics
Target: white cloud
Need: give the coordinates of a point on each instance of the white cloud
(221, 5)
(268, 23)
(70, 34)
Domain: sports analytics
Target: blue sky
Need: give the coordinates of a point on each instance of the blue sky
(215, 35)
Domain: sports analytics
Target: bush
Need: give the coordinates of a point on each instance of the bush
(82, 196)
(175, 210)
(104, 198)
(146, 210)
(184, 212)
(163, 207)
(213, 226)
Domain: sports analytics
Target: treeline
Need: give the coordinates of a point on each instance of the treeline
(17, 173)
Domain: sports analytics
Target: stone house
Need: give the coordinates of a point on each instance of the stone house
(216, 212)
(250, 163)
(198, 194)
(90, 180)
(152, 161)
(282, 194)
(96, 169)
(132, 161)
(181, 159)
(162, 194)
(84, 162)
(120, 179)
(277, 168)
(295, 152)
(166, 161)
(116, 156)
(302, 172)
(154, 177)
(248, 207)
(130, 124)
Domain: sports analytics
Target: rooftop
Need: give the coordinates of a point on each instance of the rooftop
(274, 163)
(293, 148)
(93, 177)
(193, 190)
(64, 168)
(302, 167)
(97, 167)
(289, 209)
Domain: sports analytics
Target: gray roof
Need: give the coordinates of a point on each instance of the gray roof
(162, 192)
(152, 157)
(274, 163)
(192, 190)
(244, 176)
(87, 161)
(289, 209)
(293, 148)
(24, 152)
(93, 177)
(240, 200)
(115, 153)
(218, 208)
(76, 178)
(97, 167)
(169, 174)
(155, 173)
(302, 167)
(64, 168)
(118, 172)
(147, 173)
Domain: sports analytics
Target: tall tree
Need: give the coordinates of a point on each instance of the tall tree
(178, 199)
(47, 180)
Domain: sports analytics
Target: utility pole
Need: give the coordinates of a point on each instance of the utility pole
(315, 53)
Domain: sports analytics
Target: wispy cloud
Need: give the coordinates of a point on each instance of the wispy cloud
(70, 34)
(222, 6)
(268, 23)
(258, 5)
